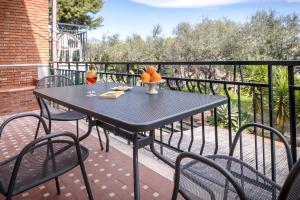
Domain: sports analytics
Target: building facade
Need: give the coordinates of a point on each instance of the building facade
(24, 48)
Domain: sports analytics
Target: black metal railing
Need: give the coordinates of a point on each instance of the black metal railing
(71, 42)
(226, 78)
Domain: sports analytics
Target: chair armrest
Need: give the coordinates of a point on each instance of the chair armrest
(208, 162)
(22, 116)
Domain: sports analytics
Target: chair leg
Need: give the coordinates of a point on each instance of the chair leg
(99, 137)
(57, 185)
(37, 129)
(77, 129)
(86, 181)
(49, 126)
(107, 140)
(36, 132)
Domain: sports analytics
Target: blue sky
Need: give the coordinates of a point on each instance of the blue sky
(126, 17)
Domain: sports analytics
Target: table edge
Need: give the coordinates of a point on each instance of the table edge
(136, 127)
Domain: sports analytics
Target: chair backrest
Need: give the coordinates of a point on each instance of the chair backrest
(7, 121)
(39, 161)
(266, 150)
(54, 81)
(291, 187)
(6, 171)
(49, 82)
(202, 178)
(45, 159)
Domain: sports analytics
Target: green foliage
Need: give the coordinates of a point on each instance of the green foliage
(80, 12)
(267, 35)
(281, 98)
(273, 36)
(222, 117)
(259, 74)
(255, 74)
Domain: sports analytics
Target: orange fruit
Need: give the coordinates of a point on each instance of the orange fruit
(145, 77)
(156, 77)
(91, 73)
(151, 70)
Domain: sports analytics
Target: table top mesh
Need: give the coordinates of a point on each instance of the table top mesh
(135, 110)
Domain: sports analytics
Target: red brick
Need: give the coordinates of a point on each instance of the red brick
(24, 39)
(24, 26)
(15, 102)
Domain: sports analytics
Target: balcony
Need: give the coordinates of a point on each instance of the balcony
(206, 133)
(260, 92)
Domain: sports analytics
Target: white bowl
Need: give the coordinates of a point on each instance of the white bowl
(152, 86)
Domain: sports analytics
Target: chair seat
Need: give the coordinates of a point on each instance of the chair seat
(199, 181)
(37, 167)
(66, 116)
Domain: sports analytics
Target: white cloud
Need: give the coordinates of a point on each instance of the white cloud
(199, 3)
(187, 3)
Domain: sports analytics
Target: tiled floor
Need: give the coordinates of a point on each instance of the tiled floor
(110, 173)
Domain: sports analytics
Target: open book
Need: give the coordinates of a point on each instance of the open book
(111, 94)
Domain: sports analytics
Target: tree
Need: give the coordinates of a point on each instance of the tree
(266, 36)
(273, 36)
(81, 12)
(155, 44)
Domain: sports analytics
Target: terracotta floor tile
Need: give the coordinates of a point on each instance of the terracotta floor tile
(105, 176)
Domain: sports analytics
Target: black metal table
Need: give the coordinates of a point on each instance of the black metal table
(132, 113)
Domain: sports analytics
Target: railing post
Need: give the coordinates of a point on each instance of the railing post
(86, 67)
(128, 80)
(56, 68)
(51, 69)
(234, 73)
(293, 131)
(229, 115)
(105, 71)
(100, 72)
(271, 103)
(85, 73)
(271, 118)
(215, 120)
(159, 68)
(77, 74)
(159, 71)
(69, 70)
(241, 73)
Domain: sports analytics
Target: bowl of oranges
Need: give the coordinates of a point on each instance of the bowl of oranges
(152, 79)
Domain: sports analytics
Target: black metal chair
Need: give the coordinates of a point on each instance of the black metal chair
(53, 112)
(208, 177)
(43, 159)
(204, 188)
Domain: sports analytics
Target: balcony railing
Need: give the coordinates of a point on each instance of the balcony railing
(250, 99)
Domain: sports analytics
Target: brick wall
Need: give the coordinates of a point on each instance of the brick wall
(23, 40)
(16, 77)
(17, 100)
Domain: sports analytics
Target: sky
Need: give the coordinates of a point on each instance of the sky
(125, 17)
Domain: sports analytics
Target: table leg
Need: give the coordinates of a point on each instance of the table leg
(157, 154)
(136, 169)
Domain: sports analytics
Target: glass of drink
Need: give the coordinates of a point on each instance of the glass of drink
(91, 78)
